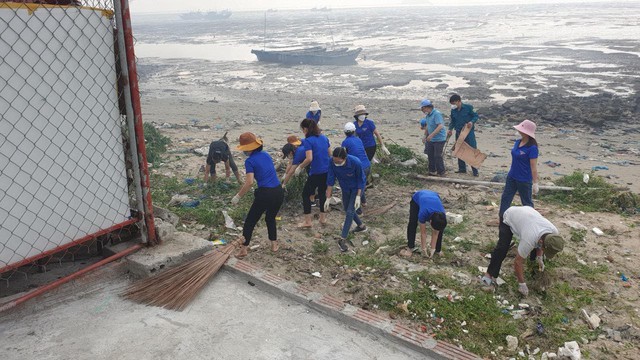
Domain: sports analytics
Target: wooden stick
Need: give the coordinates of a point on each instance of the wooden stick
(501, 184)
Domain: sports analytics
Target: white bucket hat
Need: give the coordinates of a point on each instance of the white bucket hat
(314, 106)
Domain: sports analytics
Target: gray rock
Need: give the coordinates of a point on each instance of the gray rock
(165, 215)
(164, 230)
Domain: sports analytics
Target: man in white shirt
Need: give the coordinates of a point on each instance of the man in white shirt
(538, 238)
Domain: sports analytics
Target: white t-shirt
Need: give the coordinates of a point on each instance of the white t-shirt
(529, 226)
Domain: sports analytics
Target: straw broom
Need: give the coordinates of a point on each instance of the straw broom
(175, 288)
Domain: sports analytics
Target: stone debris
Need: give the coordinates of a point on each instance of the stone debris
(316, 274)
(575, 225)
(454, 218)
(462, 278)
(512, 343)
(570, 351)
(597, 231)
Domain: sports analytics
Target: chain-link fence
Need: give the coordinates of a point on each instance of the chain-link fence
(69, 184)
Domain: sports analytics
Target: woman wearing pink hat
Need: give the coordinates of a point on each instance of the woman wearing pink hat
(523, 174)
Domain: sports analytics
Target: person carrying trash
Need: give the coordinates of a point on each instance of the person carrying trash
(463, 115)
(538, 237)
(295, 152)
(365, 130)
(314, 113)
(523, 174)
(347, 169)
(355, 147)
(317, 154)
(425, 207)
(269, 195)
(435, 137)
(219, 152)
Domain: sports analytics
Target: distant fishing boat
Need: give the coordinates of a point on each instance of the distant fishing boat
(209, 15)
(310, 56)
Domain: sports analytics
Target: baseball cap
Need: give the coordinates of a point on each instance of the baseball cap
(553, 244)
(349, 127)
(425, 102)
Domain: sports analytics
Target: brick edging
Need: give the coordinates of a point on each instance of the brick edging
(349, 314)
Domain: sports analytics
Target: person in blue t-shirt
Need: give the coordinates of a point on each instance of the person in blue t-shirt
(269, 195)
(314, 113)
(296, 153)
(463, 115)
(425, 206)
(523, 174)
(355, 147)
(435, 137)
(348, 170)
(318, 152)
(366, 130)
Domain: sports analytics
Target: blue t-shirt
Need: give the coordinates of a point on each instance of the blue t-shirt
(428, 202)
(355, 147)
(313, 117)
(520, 161)
(299, 155)
(261, 165)
(351, 176)
(365, 132)
(319, 146)
(432, 121)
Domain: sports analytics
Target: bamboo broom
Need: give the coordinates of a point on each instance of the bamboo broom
(175, 288)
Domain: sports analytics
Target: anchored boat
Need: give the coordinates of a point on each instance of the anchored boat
(310, 56)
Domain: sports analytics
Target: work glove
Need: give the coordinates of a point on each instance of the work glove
(298, 171)
(540, 260)
(385, 150)
(283, 177)
(327, 205)
(431, 252)
(523, 289)
(235, 199)
(358, 203)
(536, 188)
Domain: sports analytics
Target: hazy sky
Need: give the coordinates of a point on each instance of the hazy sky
(140, 6)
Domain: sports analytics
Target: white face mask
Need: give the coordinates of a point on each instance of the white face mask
(454, 106)
(344, 162)
(362, 117)
(518, 136)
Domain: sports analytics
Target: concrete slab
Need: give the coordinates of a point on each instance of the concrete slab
(183, 247)
(228, 320)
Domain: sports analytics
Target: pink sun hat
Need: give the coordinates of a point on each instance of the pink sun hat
(527, 127)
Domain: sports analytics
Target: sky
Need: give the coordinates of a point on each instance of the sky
(149, 6)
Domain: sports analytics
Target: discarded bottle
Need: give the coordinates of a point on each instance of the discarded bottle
(539, 328)
(623, 277)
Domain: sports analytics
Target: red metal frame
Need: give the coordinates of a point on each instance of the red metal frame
(137, 111)
(68, 245)
(41, 290)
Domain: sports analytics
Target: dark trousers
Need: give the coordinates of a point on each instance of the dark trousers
(434, 153)
(510, 187)
(267, 200)
(367, 173)
(314, 182)
(502, 248)
(471, 140)
(371, 152)
(414, 209)
(232, 165)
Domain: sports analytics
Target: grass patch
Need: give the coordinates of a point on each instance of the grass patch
(390, 169)
(364, 261)
(578, 235)
(585, 198)
(320, 247)
(155, 143)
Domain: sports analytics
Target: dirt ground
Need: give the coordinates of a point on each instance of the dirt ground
(588, 271)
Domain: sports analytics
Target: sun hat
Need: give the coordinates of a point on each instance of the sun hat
(294, 140)
(527, 127)
(360, 110)
(425, 102)
(249, 141)
(553, 244)
(349, 127)
(314, 106)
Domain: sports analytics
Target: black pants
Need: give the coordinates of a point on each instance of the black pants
(505, 236)
(413, 224)
(267, 200)
(314, 182)
(434, 153)
(371, 152)
(232, 165)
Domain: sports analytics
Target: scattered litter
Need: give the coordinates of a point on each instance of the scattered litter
(203, 151)
(433, 288)
(219, 242)
(454, 218)
(335, 201)
(593, 321)
(582, 262)
(523, 306)
(464, 323)
(178, 199)
(446, 293)
(551, 163)
(410, 162)
(278, 218)
(488, 256)
(404, 307)
(482, 269)
(599, 167)
(623, 277)
(382, 249)
(500, 281)
(462, 278)
(597, 231)
(190, 204)
(228, 221)
(570, 350)
(253, 247)
(189, 181)
(458, 239)
(316, 274)
(251, 283)
(539, 328)
(335, 281)
(585, 178)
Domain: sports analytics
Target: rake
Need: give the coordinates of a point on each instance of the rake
(175, 288)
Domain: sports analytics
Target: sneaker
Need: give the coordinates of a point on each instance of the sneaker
(343, 245)
(360, 229)
(432, 173)
(460, 172)
(315, 203)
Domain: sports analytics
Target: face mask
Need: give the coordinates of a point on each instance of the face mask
(518, 136)
(362, 117)
(344, 162)
(454, 106)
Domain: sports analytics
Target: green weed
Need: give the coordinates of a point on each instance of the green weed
(155, 143)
